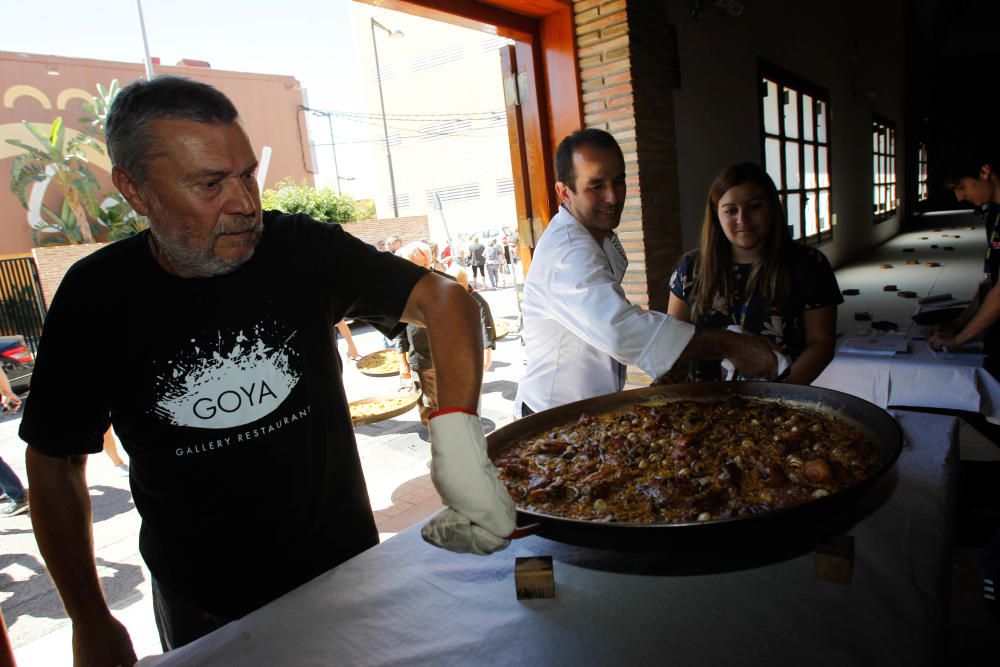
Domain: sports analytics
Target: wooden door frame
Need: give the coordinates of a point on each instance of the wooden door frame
(553, 82)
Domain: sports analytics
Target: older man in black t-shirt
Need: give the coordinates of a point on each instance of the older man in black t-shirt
(228, 381)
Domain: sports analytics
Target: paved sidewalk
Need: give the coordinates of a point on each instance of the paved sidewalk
(394, 455)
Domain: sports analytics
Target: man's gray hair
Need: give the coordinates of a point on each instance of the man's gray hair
(141, 102)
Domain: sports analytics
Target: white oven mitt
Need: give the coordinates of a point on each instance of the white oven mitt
(480, 513)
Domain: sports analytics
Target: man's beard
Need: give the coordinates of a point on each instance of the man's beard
(201, 262)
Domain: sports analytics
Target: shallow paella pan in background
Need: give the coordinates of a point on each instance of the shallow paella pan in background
(383, 363)
(812, 520)
(379, 408)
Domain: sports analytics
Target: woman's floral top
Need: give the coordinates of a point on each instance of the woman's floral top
(813, 285)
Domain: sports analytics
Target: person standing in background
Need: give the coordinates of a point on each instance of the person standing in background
(10, 483)
(477, 251)
(493, 263)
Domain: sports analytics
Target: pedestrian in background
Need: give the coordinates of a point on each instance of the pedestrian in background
(10, 483)
(493, 263)
(478, 253)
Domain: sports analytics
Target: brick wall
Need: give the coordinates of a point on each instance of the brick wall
(625, 62)
(413, 228)
(54, 261)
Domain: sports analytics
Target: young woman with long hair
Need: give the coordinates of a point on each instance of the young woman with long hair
(749, 273)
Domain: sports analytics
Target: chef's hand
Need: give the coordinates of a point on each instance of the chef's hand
(753, 356)
(480, 514)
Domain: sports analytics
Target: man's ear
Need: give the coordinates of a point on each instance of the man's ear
(562, 191)
(984, 172)
(133, 195)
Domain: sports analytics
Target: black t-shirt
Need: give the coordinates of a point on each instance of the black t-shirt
(813, 285)
(227, 395)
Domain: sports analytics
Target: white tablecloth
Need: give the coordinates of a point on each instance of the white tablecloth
(407, 603)
(916, 379)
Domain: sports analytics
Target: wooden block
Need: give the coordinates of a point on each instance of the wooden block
(885, 266)
(835, 560)
(913, 261)
(949, 248)
(907, 294)
(850, 292)
(932, 264)
(533, 578)
(909, 249)
(935, 246)
(888, 288)
(923, 238)
(863, 317)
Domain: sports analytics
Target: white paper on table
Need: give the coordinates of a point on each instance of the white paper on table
(867, 379)
(937, 386)
(883, 344)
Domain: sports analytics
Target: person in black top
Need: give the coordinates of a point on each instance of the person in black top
(750, 275)
(478, 261)
(972, 172)
(227, 380)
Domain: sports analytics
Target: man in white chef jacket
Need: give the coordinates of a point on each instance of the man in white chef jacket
(580, 331)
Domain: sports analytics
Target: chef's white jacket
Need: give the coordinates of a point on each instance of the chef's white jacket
(579, 328)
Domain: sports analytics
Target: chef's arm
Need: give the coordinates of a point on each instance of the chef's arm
(752, 351)
(62, 522)
(752, 355)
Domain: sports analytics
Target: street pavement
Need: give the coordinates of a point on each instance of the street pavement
(394, 454)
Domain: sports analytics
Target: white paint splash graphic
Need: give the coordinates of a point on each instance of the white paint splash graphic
(235, 384)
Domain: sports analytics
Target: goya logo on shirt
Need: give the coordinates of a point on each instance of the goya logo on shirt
(233, 380)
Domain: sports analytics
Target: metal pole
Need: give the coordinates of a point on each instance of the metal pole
(145, 43)
(385, 126)
(333, 147)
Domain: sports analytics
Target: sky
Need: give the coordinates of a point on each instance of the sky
(308, 39)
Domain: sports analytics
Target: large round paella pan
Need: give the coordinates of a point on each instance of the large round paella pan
(821, 516)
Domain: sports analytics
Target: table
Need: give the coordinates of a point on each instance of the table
(406, 603)
(919, 378)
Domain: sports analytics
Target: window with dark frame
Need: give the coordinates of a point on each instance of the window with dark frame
(796, 148)
(884, 202)
(922, 191)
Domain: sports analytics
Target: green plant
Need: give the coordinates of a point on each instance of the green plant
(57, 228)
(97, 109)
(66, 163)
(120, 218)
(322, 204)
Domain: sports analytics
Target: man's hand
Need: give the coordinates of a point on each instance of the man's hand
(10, 401)
(752, 355)
(942, 339)
(481, 513)
(102, 643)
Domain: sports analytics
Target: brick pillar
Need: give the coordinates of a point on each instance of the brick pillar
(626, 59)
